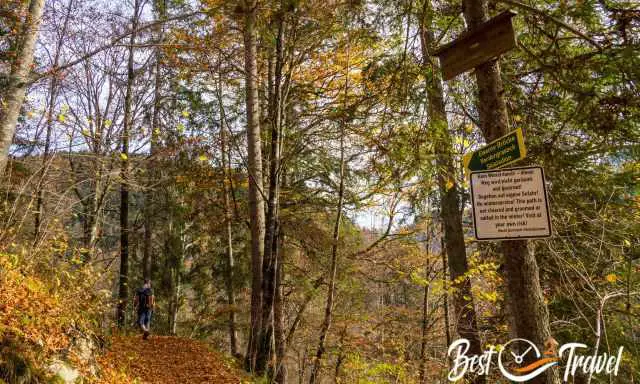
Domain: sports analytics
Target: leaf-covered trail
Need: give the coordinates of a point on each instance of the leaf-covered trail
(170, 360)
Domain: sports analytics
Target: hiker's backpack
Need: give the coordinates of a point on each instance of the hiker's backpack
(144, 298)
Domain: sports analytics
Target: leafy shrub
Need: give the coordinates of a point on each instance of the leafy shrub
(49, 296)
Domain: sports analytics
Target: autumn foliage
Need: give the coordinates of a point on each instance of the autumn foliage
(48, 300)
(166, 360)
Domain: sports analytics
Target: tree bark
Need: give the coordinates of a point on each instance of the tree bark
(527, 307)
(281, 372)
(445, 299)
(226, 180)
(176, 287)
(12, 97)
(425, 320)
(340, 358)
(466, 324)
(123, 290)
(231, 300)
(270, 260)
(160, 11)
(101, 187)
(256, 200)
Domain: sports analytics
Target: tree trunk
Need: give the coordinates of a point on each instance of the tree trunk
(176, 277)
(269, 266)
(174, 249)
(302, 366)
(425, 325)
(160, 10)
(328, 311)
(281, 372)
(53, 92)
(226, 179)
(256, 200)
(100, 192)
(12, 97)
(93, 209)
(340, 358)
(531, 317)
(445, 299)
(123, 290)
(466, 324)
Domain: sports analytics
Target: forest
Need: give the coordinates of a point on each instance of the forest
(306, 187)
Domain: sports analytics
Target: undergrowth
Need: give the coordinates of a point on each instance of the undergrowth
(50, 297)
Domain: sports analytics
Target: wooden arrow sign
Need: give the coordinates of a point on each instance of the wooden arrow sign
(473, 48)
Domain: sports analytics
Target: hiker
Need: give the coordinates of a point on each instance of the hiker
(143, 303)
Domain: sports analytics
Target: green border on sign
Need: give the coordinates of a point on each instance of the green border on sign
(522, 149)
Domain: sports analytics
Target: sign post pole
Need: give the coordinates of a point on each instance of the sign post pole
(524, 294)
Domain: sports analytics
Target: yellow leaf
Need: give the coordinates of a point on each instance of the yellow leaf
(124, 156)
(468, 128)
(517, 118)
(185, 113)
(449, 184)
(107, 123)
(61, 118)
(203, 157)
(612, 278)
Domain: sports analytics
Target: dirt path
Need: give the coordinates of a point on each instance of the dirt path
(170, 360)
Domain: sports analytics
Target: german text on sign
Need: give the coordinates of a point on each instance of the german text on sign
(498, 153)
(510, 203)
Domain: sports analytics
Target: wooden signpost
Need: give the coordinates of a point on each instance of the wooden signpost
(507, 203)
(498, 153)
(473, 48)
